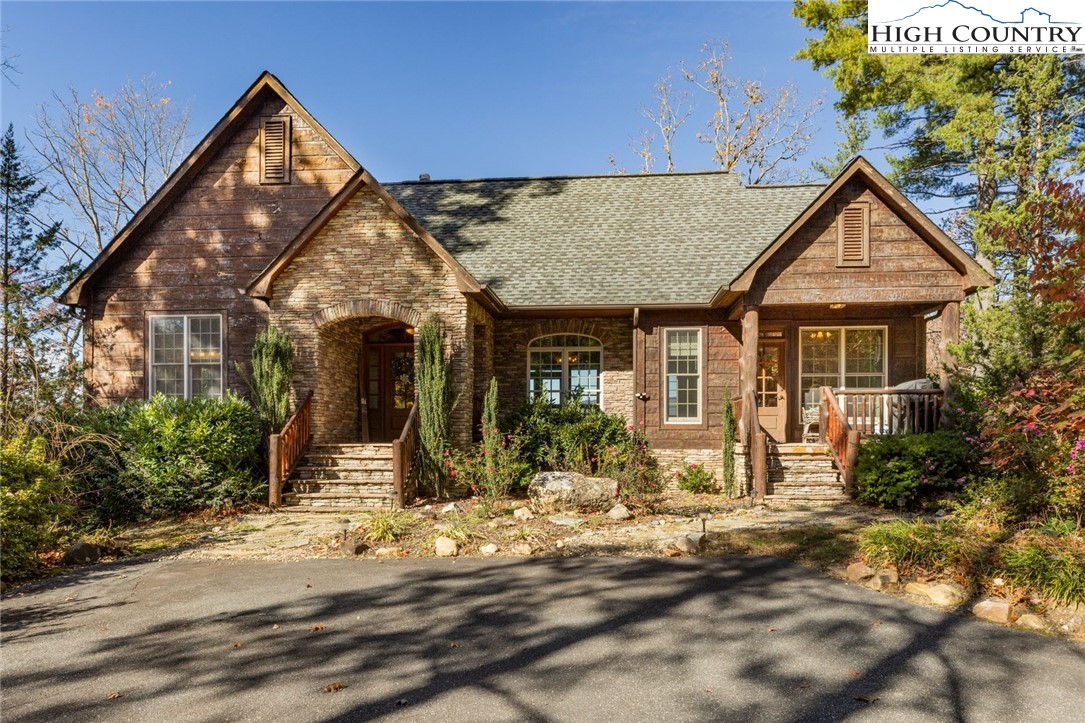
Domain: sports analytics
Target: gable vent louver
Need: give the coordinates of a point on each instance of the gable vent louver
(853, 235)
(275, 150)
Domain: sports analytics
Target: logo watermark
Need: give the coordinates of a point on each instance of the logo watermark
(1019, 27)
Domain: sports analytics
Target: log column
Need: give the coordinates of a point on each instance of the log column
(951, 334)
(751, 432)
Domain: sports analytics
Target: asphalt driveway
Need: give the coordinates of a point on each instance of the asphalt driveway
(511, 639)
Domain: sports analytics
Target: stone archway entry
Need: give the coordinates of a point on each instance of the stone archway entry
(387, 378)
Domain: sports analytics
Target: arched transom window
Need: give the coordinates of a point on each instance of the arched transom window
(565, 366)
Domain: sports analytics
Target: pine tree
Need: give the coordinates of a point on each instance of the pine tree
(31, 360)
(272, 376)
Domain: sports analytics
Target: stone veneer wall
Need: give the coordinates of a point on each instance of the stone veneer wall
(365, 263)
(511, 337)
(671, 461)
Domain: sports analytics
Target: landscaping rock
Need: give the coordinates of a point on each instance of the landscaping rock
(566, 521)
(82, 553)
(946, 594)
(523, 514)
(352, 546)
(446, 547)
(488, 549)
(883, 580)
(917, 588)
(389, 552)
(522, 548)
(451, 509)
(689, 544)
(857, 572)
(426, 511)
(552, 492)
(994, 611)
(1031, 621)
(619, 512)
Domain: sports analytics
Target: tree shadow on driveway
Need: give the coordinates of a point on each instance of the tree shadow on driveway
(538, 639)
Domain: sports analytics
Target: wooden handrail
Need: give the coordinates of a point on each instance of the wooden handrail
(836, 432)
(286, 448)
(891, 411)
(404, 454)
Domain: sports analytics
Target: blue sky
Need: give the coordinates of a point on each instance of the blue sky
(452, 89)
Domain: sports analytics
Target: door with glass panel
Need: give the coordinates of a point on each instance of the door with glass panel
(771, 396)
(388, 383)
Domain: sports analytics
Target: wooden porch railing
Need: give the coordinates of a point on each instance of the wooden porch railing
(286, 449)
(837, 432)
(404, 456)
(892, 411)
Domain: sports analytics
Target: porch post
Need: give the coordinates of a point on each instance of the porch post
(274, 471)
(951, 334)
(752, 435)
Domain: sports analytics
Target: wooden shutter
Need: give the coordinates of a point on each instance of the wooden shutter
(853, 234)
(275, 150)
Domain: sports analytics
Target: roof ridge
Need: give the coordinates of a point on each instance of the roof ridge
(560, 177)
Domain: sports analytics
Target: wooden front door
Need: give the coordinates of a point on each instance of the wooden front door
(771, 396)
(389, 389)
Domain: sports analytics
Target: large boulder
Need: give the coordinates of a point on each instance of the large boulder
(82, 553)
(563, 491)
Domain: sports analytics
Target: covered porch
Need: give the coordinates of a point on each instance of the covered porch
(831, 374)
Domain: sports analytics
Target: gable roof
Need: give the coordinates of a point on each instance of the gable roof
(261, 285)
(635, 240)
(75, 294)
(974, 275)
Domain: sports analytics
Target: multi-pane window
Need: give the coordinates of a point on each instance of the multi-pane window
(682, 361)
(186, 356)
(844, 358)
(562, 367)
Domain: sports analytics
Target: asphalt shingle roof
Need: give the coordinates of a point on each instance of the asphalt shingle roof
(604, 240)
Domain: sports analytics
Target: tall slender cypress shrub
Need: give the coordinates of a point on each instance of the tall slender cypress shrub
(435, 404)
(272, 376)
(729, 427)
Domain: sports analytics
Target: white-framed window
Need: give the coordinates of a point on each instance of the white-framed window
(561, 367)
(682, 363)
(849, 357)
(185, 354)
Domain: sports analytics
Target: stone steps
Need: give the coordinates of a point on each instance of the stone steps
(337, 477)
(803, 472)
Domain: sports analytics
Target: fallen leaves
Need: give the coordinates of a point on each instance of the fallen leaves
(315, 628)
(453, 645)
(334, 687)
(866, 699)
(772, 630)
(401, 701)
(238, 645)
(114, 695)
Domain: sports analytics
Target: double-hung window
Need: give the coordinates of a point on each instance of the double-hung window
(562, 367)
(186, 355)
(682, 361)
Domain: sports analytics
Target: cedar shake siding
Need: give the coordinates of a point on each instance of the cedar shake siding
(365, 268)
(202, 252)
(903, 267)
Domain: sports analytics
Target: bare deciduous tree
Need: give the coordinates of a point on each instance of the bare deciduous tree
(753, 131)
(671, 108)
(104, 157)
